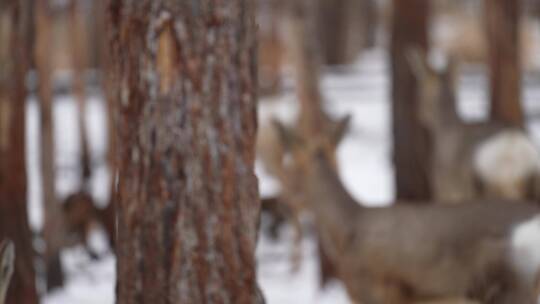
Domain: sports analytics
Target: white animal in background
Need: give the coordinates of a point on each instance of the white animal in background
(508, 162)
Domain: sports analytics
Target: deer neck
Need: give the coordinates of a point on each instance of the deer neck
(447, 114)
(334, 208)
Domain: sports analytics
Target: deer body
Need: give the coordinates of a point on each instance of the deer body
(471, 160)
(414, 254)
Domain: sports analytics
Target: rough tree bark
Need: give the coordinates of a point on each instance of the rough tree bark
(53, 230)
(411, 142)
(188, 203)
(502, 21)
(15, 46)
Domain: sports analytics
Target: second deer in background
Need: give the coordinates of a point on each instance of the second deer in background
(471, 160)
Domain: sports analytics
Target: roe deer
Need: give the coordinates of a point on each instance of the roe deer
(465, 253)
(7, 265)
(471, 160)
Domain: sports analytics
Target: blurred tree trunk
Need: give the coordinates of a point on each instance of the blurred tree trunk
(368, 13)
(188, 204)
(502, 20)
(412, 152)
(106, 67)
(79, 57)
(53, 229)
(270, 55)
(332, 30)
(15, 46)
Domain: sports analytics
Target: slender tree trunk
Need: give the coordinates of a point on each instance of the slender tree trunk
(188, 204)
(332, 30)
(15, 46)
(412, 151)
(502, 21)
(53, 229)
(369, 14)
(106, 67)
(79, 57)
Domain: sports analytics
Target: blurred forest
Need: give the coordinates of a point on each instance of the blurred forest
(179, 151)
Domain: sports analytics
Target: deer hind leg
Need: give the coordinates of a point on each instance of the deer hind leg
(449, 301)
(296, 252)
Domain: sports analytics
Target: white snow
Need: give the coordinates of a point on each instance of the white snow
(362, 89)
(526, 248)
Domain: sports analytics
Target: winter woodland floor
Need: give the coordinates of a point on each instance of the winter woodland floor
(361, 89)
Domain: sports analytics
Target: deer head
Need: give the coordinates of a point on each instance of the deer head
(436, 100)
(7, 265)
(303, 147)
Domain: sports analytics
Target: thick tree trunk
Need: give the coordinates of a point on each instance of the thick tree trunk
(412, 153)
(53, 229)
(188, 204)
(502, 21)
(15, 46)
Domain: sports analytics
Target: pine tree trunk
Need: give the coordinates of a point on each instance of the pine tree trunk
(502, 20)
(15, 46)
(188, 204)
(411, 142)
(53, 229)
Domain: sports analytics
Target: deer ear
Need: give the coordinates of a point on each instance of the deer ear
(417, 60)
(287, 136)
(341, 129)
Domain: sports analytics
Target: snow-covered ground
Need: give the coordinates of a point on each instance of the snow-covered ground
(365, 167)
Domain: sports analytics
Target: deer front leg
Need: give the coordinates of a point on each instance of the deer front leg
(296, 253)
